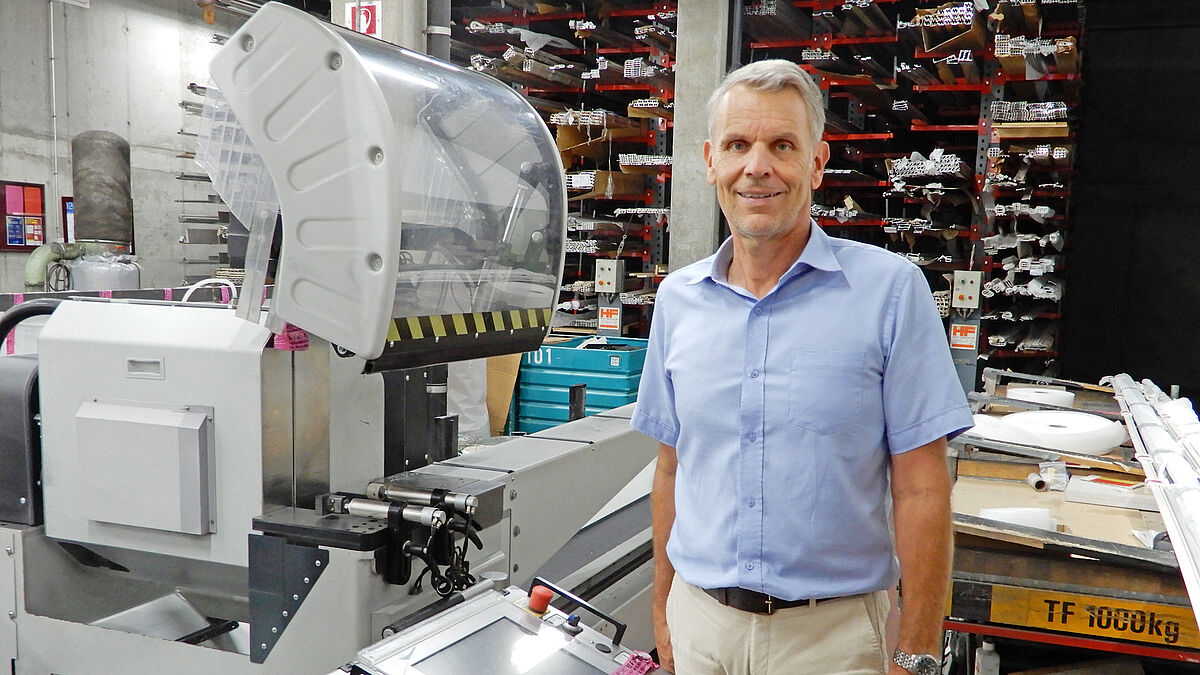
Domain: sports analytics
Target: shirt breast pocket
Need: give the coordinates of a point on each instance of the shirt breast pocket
(825, 389)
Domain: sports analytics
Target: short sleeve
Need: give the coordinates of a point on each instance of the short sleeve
(922, 396)
(654, 414)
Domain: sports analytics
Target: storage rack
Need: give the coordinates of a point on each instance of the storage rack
(985, 98)
(602, 75)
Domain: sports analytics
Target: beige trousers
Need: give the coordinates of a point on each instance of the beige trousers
(835, 636)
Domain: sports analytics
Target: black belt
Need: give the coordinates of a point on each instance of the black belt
(755, 602)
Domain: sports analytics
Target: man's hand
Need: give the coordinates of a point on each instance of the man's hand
(662, 640)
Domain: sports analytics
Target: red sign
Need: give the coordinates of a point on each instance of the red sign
(964, 336)
(363, 17)
(609, 319)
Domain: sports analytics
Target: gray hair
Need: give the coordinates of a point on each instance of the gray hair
(774, 75)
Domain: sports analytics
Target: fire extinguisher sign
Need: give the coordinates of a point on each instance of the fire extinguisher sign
(363, 17)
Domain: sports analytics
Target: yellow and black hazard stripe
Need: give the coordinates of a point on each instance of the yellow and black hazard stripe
(423, 340)
(475, 323)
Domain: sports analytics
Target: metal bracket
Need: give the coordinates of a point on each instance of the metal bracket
(281, 575)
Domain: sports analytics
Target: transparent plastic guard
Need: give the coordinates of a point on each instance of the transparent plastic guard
(481, 194)
(242, 181)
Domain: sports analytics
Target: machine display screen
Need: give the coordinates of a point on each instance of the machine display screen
(504, 648)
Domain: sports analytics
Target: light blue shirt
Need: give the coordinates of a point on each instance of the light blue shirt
(784, 412)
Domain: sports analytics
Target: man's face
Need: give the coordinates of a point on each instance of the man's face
(762, 161)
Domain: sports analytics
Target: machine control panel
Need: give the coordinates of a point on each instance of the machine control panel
(499, 633)
(967, 291)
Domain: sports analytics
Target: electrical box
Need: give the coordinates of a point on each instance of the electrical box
(967, 289)
(608, 276)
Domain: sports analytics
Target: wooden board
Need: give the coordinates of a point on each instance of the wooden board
(1102, 523)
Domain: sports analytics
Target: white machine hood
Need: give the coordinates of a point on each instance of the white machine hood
(423, 206)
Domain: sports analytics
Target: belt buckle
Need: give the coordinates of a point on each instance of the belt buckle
(770, 605)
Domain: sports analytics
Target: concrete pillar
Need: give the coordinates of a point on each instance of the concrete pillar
(701, 52)
(401, 22)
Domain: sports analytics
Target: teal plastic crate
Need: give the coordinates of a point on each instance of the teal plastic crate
(546, 376)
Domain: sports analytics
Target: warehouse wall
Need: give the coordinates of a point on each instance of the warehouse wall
(1133, 288)
(121, 66)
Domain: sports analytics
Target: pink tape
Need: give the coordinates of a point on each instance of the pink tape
(292, 339)
(168, 294)
(106, 294)
(225, 294)
(10, 342)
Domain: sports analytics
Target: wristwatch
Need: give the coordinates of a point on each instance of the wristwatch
(917, 664)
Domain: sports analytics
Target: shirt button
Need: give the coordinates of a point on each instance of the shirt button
(758, 311)
(754, 373)
(750, 437)
(749, 566)
(750, 502)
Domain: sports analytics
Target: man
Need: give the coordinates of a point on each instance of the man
(786, 376)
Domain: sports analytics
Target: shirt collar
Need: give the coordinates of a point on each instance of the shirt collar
(817, 254)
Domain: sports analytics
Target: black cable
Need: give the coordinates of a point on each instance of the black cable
(18, 313)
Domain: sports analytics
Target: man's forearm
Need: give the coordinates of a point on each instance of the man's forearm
(924, 545)
(662, 504)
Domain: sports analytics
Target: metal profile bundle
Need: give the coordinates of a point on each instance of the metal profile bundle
(579, 223)
(864, 18)
(637, 297)
(939, 164)
(776, 20)
(491, 33)
(908, 111)
(849, 175)
(656, 35)
(642, 70)
(605, 72)
(553, 69)
(503, 70)
(950, 27)
(642, 211)
(581, 286)
(957, 69)
(583, 180)
(1038, 266)
(999, 242)
(588, 30)
(1166, 436)
(592, 118)
(917, 73)
(583, 245)
(636, 160)
(840, 213)
(950, 15)
(827, 62)
(1026, 111)
(825, 21)
(1019, 312)
(1020, 56)
(605, 185)
(835, 124)
(1017, 209)
(914, 225)
(651, 107)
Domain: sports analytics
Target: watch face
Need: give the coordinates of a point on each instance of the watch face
(927, 665)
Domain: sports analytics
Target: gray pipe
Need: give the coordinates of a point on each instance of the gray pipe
(437, 30)
(103, 201)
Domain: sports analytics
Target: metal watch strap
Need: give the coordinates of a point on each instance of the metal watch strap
(910, 662)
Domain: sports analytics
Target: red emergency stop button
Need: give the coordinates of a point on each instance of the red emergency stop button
(539, 599)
